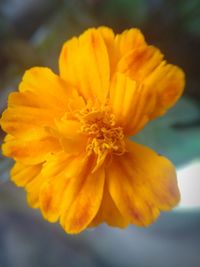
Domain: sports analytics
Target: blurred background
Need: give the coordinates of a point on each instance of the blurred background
(32, 33)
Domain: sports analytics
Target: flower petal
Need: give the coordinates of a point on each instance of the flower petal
(47, 86)
(167, 81)
(141, 183)
(68, 132)
(129, 40)
(85, 204)
(120, 45)
(122, 94)
(50, 197)
(43, 97)
(55, 172)
(33, 190)
(63, 164)
(109, 39)
(22, 174)
(140, 62)
(21, 121)
(137, 102)
(109, 213)
(84, 63)
(59, 169)
(31, 152)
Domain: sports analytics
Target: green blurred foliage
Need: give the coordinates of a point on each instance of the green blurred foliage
(190, 14)
(175, 135)
(124, 11)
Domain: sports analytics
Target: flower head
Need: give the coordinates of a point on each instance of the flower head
(69, 133)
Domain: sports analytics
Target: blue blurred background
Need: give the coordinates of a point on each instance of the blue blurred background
(32, 33)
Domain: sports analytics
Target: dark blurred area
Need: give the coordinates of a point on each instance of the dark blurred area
(31, 34)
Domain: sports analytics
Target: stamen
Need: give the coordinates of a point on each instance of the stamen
(104, 137)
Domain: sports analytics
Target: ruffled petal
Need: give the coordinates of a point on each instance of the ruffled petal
(122, 94)
(21, 121)
(43, 97)
(85, 203)
(137, 102)
(64, 165)
(141, 184)
(140, 62)
(33, 189)
(50, 197)
(31, 152)
(59, 169)
(109, 39)
(22, 174)
(129, 40)
(167, 81)
(109, 213)
(145, 87)
(84, 63)
(68, 132)
(120, 45)
(48, 87)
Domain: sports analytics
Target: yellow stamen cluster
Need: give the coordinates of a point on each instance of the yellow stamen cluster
(103, 135)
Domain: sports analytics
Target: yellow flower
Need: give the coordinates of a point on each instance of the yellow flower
(69, 133)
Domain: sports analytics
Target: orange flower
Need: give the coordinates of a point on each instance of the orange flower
(68, 133)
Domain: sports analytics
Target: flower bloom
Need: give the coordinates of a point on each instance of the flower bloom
(69, 133)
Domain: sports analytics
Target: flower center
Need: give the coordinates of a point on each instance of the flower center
(103, 135)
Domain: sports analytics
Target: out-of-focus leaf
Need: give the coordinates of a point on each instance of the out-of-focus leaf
(133, 11)
(190, 14)
(173, 135)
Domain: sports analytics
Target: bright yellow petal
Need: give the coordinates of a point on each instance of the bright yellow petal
(31, 152)
(108, 36)
(84, 63)
(129, 40)
(120, 45)
(141, 183)
(122, 95)
(140, 62)
(22, 174)
(167, 81)
(35, 186)
(109, 213)
(47, 86)
(157, 86)
(165, 190)
(63, 164)
(33, 189)
(50, 197)
(59, 170)
(72, 191)
(21, 121)
(131, 103)
(55, 171)
(68, 132)
(43, 97)
(86, 203)
(113, 53)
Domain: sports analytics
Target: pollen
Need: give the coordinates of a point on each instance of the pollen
(104, 136)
